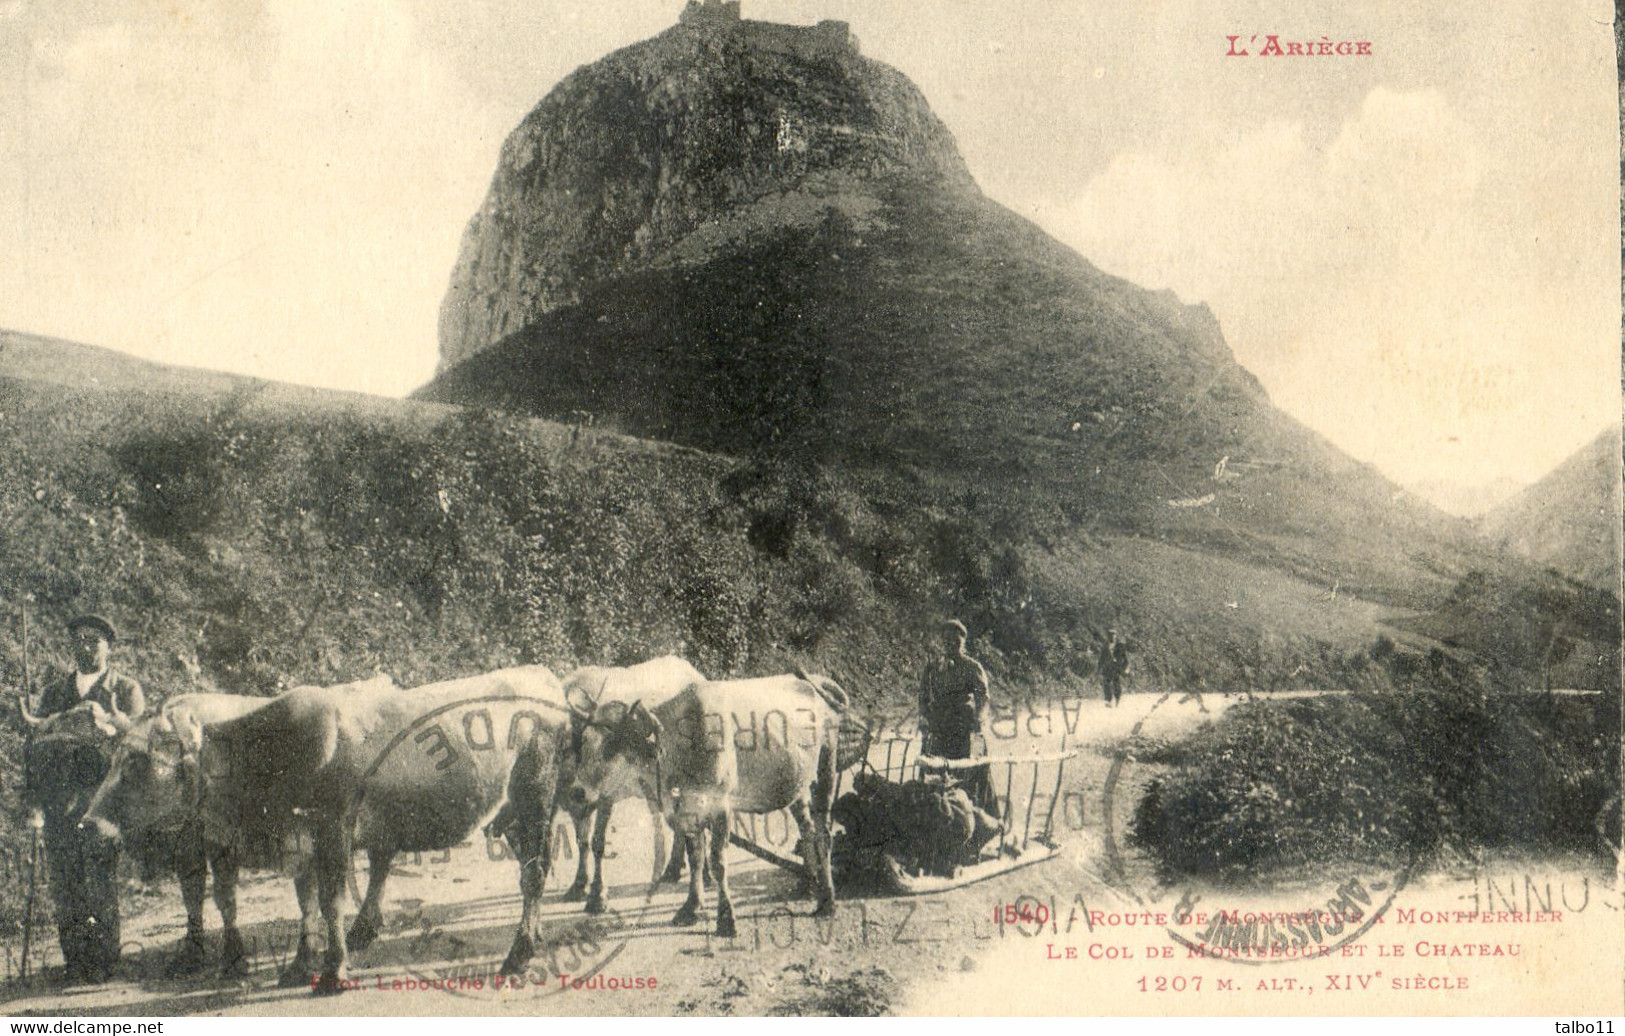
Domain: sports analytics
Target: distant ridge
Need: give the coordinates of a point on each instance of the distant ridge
(41, 358)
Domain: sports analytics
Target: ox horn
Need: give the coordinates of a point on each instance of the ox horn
(111, 722)
(28, 717)
(835, 693)
(827, 688)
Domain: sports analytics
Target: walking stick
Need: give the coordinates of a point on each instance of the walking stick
(35, 823)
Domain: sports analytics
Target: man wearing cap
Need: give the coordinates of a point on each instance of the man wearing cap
(93, 679)
(953, 706)
(1113, 666)
(62, 776)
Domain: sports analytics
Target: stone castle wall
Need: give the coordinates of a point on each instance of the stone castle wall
(829, 38)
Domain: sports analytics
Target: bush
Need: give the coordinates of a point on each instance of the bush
(1377, 778)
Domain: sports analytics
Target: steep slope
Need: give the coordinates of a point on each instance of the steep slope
(1571, 520)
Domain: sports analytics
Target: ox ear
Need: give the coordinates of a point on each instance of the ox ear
(188, 729)
(642, 725)
(581, 702)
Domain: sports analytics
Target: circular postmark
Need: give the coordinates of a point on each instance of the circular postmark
(432, 782)
(1317, 924)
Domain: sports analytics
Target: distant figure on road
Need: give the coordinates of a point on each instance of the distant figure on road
(953, 707)
(1113, 665)
(1247, 686)
(1194, 693)
(61, 777)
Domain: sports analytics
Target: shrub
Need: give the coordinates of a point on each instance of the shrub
(1377, 778)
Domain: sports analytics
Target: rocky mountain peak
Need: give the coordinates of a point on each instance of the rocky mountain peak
(632, 154)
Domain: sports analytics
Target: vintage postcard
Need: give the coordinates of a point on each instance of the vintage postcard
(810, 507)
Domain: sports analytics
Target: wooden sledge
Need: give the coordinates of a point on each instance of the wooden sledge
(930, 884)
(1013, 853)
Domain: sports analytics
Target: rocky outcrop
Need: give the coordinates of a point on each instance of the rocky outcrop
(628, 157)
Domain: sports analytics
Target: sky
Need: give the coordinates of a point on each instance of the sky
(1416, 252)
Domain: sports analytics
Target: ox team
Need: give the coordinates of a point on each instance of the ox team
(231, 781)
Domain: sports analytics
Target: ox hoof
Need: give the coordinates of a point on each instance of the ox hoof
(575, 893)
(518, 958)
(189, 959)
(294, 976)
(328, 985)
(673, 874)
(685, 916)
(233, 956)
(595, 904)
(725, 925)
(825, 909)
(363, 933)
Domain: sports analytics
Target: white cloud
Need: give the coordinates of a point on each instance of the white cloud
(284, 200)
(86, 51)
(1382, 285)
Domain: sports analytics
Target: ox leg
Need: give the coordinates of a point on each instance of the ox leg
(531, 837)
(578, 887)
(600, 828)
(303, 966)
(332, 863)
(693, 845)
(192, 868)
(674, 862)
(823, 800)
(719, 872)
(369, 919)
(233, 955)
(809, 858)
(815, 838)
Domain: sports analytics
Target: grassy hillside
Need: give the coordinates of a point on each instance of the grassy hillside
(1570, 520)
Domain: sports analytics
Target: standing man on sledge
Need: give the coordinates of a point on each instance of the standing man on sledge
(953, 707)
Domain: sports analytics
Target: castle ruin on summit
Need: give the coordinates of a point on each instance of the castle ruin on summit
(829, 38)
